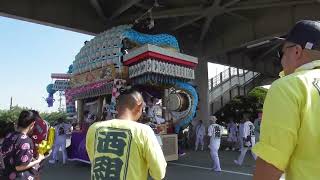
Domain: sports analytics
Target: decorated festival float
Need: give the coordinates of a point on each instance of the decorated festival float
(120, 59)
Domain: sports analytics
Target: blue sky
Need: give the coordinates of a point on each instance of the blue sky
(29, 53)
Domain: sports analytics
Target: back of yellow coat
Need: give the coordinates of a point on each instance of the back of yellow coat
(124, 150)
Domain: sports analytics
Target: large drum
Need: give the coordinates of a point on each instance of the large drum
(178, 102)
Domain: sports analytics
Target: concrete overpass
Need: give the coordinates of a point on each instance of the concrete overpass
(239, 33)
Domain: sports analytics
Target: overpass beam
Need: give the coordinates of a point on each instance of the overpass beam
(96, 5)
(123, 8)
(242, 61)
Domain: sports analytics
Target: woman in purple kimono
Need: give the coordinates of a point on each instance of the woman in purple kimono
(18, 149)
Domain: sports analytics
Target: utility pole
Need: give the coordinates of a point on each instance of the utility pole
(60, 109)
(11, 103)
(60, 101)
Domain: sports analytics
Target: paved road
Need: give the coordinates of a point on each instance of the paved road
(193, 166)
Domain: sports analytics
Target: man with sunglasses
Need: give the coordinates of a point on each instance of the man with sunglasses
(290, 136)
(123, 148)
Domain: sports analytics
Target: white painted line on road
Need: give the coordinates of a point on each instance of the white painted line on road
(76, 159)
(199, 167)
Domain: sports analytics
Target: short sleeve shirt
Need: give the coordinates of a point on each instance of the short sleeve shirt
(289, 134)
(124, 150)
(200, 130)
(17, 150)
(232, 128)
(62, 129)
(215, 131)
(248, 129)
(241, 130)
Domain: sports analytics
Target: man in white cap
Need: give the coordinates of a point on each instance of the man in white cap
(214, 132)
(200, 133)
(290, 137)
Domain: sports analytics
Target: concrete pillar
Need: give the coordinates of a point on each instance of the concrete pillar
(80, 110)
(201, 80)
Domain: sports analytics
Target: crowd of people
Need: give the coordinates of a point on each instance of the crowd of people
(240, 136)
(288, 140)
(123, 148)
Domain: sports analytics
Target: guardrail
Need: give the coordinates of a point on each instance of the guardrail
(227, 79)
(225, 76)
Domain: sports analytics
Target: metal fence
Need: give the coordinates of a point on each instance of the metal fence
(225, 76)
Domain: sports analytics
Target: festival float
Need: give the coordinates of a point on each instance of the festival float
(122, 58)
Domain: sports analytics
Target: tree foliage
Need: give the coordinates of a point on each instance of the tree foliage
(53, 116)
(251, 103)
(13, 115)
(259, 93)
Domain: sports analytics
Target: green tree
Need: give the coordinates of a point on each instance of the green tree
(259, 93)
(13, 114)
(250, 103)
(53, 117)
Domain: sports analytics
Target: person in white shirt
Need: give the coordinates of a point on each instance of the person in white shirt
(62, 129)
(240, 135)
(248, 139)
(108, 112)
(232, 134)
(257, 124)
(200, 132)
(215, 132)
(153, 110)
